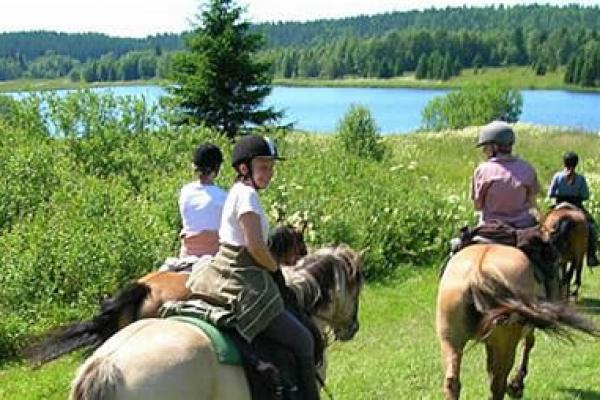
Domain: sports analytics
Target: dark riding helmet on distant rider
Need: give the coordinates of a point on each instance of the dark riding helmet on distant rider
(496, 132)
(570, 159)
(253, 146)
(207, 158)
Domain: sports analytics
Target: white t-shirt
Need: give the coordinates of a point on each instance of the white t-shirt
(200, 207)
(240, 200)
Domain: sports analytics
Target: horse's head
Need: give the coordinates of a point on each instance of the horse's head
(287, 244)
(566, 228)
(337, 277)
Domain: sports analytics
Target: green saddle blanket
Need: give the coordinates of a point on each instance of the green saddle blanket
(225, 349)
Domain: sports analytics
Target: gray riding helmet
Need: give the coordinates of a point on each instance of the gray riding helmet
(497, 132)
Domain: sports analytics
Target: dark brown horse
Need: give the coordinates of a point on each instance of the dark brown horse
(566, 217)
(143, 298)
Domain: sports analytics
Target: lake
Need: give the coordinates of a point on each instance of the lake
(399, 110)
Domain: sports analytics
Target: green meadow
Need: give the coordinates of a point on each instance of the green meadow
(512, 77)
(94, 205)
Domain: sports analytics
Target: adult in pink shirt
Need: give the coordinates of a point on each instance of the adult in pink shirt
(503, 187)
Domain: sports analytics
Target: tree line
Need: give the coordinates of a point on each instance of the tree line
(434, 43)
(545, 18)
(133, 65)
(433, 54)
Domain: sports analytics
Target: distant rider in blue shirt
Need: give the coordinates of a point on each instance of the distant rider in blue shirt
(569, 186)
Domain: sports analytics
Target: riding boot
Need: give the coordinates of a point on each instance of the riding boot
(592, 259)
(307, 378)
(552, 289)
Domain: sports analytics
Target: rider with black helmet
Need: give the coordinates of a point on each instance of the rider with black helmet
(237, 287)
(569, 186)
(201, 203)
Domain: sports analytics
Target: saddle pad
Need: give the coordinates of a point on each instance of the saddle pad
(225, 349)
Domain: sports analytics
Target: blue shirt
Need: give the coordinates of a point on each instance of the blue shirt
(560, 187)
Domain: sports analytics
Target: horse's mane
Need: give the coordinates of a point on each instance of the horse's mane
(313, 278)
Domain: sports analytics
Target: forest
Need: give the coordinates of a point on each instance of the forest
(432, 44)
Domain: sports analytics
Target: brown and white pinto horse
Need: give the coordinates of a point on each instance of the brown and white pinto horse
(567, 217)
(155, 359)
(488, 293)
(143, 298)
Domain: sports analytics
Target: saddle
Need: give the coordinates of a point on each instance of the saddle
(270, 368)
(184, 265)
(542, 254)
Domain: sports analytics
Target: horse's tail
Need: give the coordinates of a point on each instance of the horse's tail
(97, 379)
(115, 313)
(499, 305)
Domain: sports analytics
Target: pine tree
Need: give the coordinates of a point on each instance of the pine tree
(218, 80)
(421, 71)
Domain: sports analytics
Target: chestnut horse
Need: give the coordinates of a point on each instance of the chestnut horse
(489, 293)
(143, 298)
(567, 217)
(162, 358)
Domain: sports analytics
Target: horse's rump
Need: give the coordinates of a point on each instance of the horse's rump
(503, 290)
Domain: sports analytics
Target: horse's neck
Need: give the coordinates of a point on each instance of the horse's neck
(566, 206)
(304, 286)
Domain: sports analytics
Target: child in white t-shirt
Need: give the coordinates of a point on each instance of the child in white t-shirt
(239, 279)
(201, 204)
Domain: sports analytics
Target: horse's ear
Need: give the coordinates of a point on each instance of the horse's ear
(361, 253)
(303, 225)
(279, 214)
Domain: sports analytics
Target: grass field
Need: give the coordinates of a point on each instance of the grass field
(29, 85)
(395, 354)
(108, 215)
(514, 77)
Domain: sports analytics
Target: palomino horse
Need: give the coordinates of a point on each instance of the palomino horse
(567, 217)
(488, 292)
(143, 298)
(162, 358)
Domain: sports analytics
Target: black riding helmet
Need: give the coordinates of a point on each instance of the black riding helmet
(570, 159)
(252, 146)
(207, 158)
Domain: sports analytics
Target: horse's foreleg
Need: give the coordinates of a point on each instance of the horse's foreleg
(451, 358)
(568, 271)
(517, 384)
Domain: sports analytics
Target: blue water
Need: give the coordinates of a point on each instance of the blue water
(399, 110)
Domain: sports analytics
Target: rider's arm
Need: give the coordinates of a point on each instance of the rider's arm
(532, 192)
(584, 192)
(477, 191)
(255, 243)
(553, 188)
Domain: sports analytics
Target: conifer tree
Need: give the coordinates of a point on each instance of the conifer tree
(219, 81)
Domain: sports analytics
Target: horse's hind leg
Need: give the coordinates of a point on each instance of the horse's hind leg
(501, 348)
(451, 358)
(517, 384)
(578, 266)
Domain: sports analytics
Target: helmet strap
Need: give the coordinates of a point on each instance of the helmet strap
(248, 175)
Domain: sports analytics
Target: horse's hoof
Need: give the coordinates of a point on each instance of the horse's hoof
(515, 390)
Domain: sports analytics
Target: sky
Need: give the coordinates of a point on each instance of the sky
(140, 18)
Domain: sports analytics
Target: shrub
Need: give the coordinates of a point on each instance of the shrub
(473, 105)
(358, 133)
